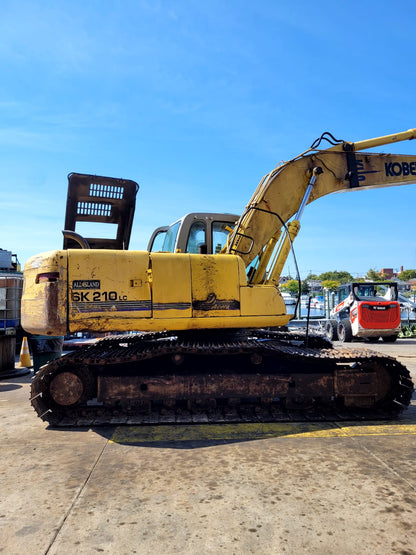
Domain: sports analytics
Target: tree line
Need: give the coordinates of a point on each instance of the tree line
(332, 280)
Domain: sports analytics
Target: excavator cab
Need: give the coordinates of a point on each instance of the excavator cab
(195, 233)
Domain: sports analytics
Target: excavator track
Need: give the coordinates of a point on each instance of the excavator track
(250, 376)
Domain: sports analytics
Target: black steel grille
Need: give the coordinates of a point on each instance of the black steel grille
(94, 209)
(106, 191)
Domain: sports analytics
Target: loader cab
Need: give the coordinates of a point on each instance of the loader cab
(342, 304)
(367, 291)
(197, 232)
(375, 291)
(342, 293)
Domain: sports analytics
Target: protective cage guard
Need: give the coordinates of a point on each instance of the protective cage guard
(108, 200)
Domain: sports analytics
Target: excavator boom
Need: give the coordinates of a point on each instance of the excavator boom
(342, 167)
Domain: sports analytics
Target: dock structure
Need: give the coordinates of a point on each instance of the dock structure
(11, 285)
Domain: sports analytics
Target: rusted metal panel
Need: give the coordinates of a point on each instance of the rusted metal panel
(44, 297)
(112, 388)
(315, 385)
(362, 383)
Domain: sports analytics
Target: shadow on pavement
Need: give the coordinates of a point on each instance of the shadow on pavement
(195, 436)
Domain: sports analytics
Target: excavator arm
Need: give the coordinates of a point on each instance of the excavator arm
(282, 194)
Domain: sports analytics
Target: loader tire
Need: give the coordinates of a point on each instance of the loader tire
(331, 332)
(389, 338)
(344, 331)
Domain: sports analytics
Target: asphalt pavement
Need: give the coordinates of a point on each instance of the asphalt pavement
(316, 488)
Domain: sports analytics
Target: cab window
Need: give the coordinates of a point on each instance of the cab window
(197, 237)
(365, 291)
(220, 231)
(170, 238)
(158, 240)
(342, 294)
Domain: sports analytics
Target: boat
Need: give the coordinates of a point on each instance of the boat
(288, 299)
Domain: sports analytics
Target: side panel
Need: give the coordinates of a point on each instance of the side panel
(108, 289)
(171, 285)
(44, 297)
(215, 286)
(113, 290)
(262, 300)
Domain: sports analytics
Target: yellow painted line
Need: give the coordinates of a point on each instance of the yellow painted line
(380, 429)
(227, 432)
(253, 431)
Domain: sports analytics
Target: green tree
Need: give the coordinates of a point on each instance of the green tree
(305, 287)
(331, 284)
(342, 277)
(291, 286)
(373, 275)
(407, 274)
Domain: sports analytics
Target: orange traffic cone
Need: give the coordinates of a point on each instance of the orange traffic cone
(24, 359)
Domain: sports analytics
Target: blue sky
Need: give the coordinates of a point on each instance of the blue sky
(196, 101)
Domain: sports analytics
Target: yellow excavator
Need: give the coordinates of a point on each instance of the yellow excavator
(210, 342)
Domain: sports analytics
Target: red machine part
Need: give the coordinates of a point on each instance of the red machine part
(378, 315)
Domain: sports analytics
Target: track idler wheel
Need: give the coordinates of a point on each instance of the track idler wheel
(66, 389)
(71, 387)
